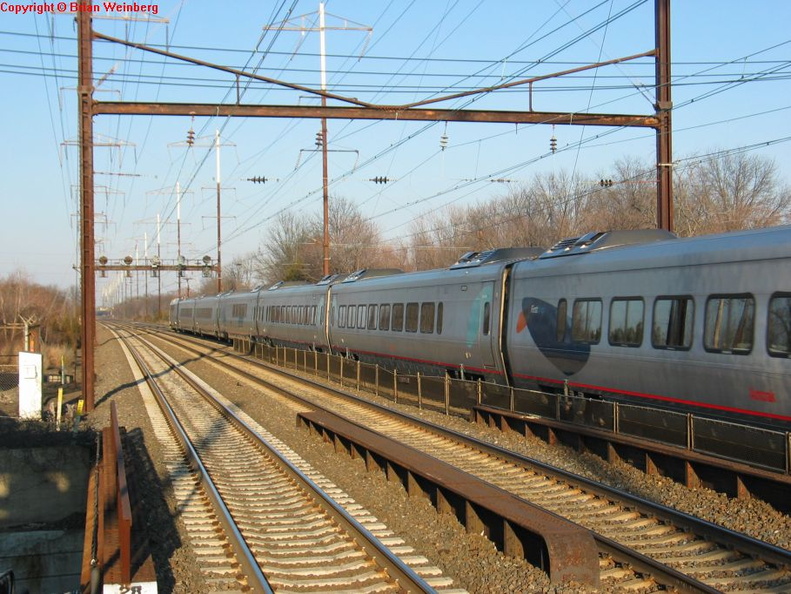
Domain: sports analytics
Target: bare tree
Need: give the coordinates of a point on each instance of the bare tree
(734, 191)
(239, 275)
(281, 256)
(438, 239)
(547, 208)
(354, 240)
(21, 300)
(293, 249)
(624, 199)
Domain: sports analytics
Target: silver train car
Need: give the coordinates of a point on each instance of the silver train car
(437, 321)
(294, 314)
(700, 324)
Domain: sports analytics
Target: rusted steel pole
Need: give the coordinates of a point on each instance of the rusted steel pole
(664, 106)
(88, 280)
(326, 196)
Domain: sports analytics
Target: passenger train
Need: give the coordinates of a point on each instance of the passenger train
(700, 324)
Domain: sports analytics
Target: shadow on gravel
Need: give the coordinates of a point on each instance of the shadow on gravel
(160, 537)
(116, 390)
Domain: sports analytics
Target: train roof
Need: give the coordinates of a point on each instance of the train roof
(472, 267)
(599, 240)
(471, 259)
(731, 247)
(288, 284)
(367, 273)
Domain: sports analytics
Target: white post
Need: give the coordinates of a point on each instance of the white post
(323, 48)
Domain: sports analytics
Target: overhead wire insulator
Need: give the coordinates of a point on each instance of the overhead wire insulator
(379, 180)
(319, 139)
(190, 137)
(443, 142)
(553, 145)
(258, 179)
(605, 183)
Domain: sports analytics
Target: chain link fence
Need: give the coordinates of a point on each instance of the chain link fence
(9, 385)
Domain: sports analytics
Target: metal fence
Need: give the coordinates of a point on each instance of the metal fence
(758, 447)
(9, 377)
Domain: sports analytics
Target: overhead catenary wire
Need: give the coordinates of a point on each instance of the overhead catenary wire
(136, 77)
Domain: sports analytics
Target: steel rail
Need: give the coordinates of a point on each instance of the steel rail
(663, 573)
(406, 577)
(255, 577)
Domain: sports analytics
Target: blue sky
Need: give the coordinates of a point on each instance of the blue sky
(731, 65)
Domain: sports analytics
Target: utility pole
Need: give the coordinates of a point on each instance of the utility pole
(325, 190)
(178, 232)
(215, 143)
(88, 280)
(664, 110)
(159, 275)
(219, 220)
(287, 26)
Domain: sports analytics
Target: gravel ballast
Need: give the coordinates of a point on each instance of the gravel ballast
(470, 559)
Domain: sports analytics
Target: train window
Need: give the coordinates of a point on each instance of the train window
(626, 322)
(361, 313)
(586, 321)
(412, 313)
(560, 321)
(372, 317)
(778, 326)
(352, 316)
(729, 322)
(384, 316)
(487, 318)
(342, 316)
(398, 317)
(427, 318)
(440, 309)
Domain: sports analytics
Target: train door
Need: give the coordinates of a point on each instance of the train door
(481, 324)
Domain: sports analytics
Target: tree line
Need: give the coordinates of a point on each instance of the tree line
(50, 313)
(732, 192)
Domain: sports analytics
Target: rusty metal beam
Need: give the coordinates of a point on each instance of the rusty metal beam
(375, 113)
(149, 268)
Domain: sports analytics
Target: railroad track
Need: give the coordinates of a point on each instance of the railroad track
(629, 531)
(258, 516)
